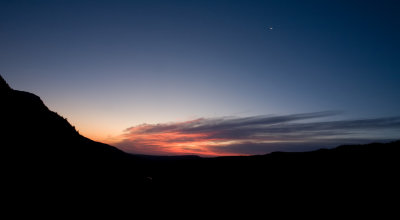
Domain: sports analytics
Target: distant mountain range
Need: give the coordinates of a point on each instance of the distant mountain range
(41, 150)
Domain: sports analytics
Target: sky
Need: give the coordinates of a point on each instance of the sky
(210, 77)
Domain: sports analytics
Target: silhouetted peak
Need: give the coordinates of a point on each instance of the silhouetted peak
(3, 84)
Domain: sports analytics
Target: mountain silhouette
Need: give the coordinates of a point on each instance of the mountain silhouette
(41, 151)
(31, 129)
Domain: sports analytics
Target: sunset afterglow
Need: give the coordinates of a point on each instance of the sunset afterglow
(207, 77)
(252, 135)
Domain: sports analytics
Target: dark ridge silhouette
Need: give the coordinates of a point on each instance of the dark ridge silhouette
(3, 85)
(43, 154)
(42, 150)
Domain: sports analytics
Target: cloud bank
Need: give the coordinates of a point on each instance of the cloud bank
(255, 135)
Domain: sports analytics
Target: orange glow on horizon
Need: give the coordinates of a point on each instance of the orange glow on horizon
(225, 136)
(170, 143)
(174, 143)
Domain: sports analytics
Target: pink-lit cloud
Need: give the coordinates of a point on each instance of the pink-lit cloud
(253, 135)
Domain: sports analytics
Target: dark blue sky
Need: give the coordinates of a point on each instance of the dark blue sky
(108, 65)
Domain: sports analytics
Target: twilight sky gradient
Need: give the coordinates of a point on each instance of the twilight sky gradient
(210, 77)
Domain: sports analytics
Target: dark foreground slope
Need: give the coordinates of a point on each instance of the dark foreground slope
(41, 153)
(347, 166)
(39, 146)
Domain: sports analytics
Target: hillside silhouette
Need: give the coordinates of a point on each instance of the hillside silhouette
(41, 150)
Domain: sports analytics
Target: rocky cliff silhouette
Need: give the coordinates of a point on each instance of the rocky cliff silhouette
(41, 150)
(33, 132)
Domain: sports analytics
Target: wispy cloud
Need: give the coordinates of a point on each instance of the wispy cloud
(255, 135)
